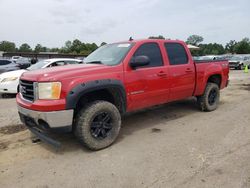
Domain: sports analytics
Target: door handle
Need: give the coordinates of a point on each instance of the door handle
(161, 74)
(188, 70)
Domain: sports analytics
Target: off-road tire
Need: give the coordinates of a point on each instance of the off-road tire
(85, 118)
(203, 100)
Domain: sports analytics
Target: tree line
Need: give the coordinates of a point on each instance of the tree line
(78, 47)
(70, 47)
(232, 47)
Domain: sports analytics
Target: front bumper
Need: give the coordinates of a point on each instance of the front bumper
(47, 120)
(42, 123)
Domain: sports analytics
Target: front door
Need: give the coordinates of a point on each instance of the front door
(148, 85)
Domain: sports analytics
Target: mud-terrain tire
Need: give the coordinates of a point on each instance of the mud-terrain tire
(98, 125)
(210, 99)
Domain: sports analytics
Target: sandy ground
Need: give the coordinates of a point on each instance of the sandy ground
(173, 145)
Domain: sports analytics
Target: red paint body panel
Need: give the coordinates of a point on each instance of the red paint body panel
(144, 87)
(42, 105)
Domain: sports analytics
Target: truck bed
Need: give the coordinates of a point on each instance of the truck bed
(203, 67)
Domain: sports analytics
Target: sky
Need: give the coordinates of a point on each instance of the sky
(52, 22)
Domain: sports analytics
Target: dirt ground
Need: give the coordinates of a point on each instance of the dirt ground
(174, 145)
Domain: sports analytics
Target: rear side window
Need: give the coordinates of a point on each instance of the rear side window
(4, 62)
(153, 52)
(71, 62)
(57, 63)
(176, 54)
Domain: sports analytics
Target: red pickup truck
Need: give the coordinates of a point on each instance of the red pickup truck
(89, 99)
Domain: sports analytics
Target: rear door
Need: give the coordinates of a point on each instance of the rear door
(147, 85)
(181, 71)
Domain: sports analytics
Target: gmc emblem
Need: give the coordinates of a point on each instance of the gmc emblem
(23, 89)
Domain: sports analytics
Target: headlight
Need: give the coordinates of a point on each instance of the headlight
(9, 79)
(48, 90)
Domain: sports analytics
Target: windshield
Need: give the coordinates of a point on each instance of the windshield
(110, 54)
(38, 65)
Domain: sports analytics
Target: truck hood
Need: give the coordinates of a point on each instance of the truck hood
(64, 72)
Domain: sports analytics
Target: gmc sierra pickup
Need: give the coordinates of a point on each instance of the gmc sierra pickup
(89, 99)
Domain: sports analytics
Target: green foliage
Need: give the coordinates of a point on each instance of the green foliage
(103, 43)
(194, 40)
(230, 46)
(243, 47)
(40, 48)
(25, 48)
(7, 46)
(211, 49)
(157, 37)
(78, 47)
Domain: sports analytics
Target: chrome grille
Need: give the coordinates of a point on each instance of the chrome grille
(26, 88)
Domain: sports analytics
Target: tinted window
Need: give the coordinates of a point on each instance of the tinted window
(57, 63)
(4, 62)
(153, 52)
(71, 62)
(176, 54)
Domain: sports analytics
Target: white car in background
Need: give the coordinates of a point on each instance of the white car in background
(9, 81)
(15, 58)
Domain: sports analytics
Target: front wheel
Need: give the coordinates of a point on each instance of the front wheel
(98, 125)
(210, 99)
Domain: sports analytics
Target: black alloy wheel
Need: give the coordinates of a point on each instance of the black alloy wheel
(101, 125)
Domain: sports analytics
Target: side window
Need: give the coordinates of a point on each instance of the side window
(153, 52)
(71, 62)
(58, 63)
(176, 54)
(4, 62)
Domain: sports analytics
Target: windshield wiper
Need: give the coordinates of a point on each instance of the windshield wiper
(94, 62)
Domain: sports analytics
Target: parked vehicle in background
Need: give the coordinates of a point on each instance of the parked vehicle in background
(206, 57)
(8, 65)
(238, 62)
(23, 62)
(89, 99)
(9, 81)
(14, 58)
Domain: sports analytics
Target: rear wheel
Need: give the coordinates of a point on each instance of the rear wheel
(210, 99)
(98, 125)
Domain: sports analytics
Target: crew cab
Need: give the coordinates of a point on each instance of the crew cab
(89, 99)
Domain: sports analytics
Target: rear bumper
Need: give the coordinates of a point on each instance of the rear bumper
(46, 120)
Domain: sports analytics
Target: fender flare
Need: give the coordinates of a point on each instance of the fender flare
(81, 89)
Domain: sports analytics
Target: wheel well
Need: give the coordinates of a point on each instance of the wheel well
(215, 79)
(112, 95)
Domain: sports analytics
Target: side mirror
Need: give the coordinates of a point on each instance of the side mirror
(139, 61)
